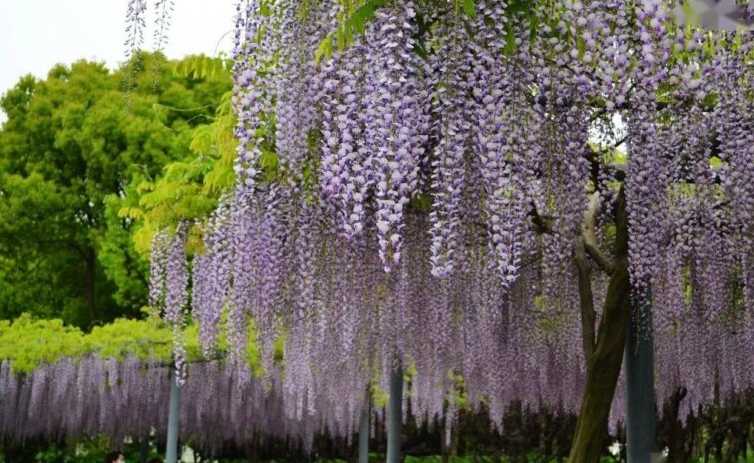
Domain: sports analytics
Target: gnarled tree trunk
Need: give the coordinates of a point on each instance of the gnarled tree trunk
(604, 363)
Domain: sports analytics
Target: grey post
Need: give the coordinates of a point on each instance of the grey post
(364, 432)
(395, 416)
(638, 362)
(171, 453)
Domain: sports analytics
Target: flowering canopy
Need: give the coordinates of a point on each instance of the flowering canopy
(415, 193)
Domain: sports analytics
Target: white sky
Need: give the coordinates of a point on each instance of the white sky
(37, 34)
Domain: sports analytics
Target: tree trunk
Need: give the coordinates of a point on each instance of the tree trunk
(604, 365)
(676, 439)
(455, 437)
(444, 447)
(90, 278)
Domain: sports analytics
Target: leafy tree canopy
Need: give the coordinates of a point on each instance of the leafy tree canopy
(72, 149)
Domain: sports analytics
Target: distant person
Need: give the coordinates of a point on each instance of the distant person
(115, 457)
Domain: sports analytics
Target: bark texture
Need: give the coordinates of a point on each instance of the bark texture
(605, 361)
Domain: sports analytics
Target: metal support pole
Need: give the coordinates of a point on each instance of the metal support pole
(364, 433)
(638, 363)
(171, 453)
(395, 416)
(144, 449)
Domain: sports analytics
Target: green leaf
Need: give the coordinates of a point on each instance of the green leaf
(581, 46)
(325, 48)
(364, 14)
(265, 9)
(353, 25)
(469, 7)
(689, 14)
(510, 42)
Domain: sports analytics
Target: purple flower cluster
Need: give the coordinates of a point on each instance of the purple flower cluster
(397, 123)
(135, 24)
(157, 269)
(648, 170)
(346, 177)
(164, 10)
(101, 397)
(129, 399)
(211, 274)
(296, 83)
(251, 99)
(452, 68)
(169, 286)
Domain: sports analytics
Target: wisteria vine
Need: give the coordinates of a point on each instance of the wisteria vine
(417, 196)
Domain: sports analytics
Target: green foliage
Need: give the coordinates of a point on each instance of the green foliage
(87, 451)
(380, 397)
(126, 268)
(36, 262)
(469, 7)
(70, 151)
(202, 67)
(355, 16)
(376, 457)
(353, 20)
(421, 202)
(189, 188)
(253, 357)
(28, 342)
(144, 339)
(457, 394)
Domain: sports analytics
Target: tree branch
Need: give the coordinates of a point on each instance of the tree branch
(589, 238)
(541, 224)
(586, 300)
(599, 257)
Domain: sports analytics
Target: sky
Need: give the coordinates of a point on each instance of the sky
(37, 34)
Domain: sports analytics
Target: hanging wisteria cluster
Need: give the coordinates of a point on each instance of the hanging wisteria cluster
(169, 285)
(129, 399)
(136, 24)
(100, 397)
(431, 180)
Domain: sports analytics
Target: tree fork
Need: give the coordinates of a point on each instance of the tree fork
(606, 360)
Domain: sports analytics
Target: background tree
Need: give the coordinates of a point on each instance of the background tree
(71, 147)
